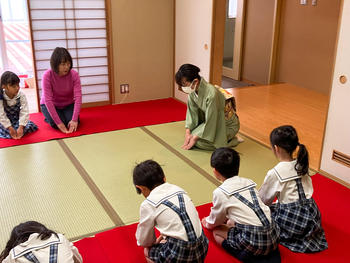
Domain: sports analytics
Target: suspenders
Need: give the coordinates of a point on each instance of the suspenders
(301, 192)
(181, 211)
(52, 258)
(254, 206)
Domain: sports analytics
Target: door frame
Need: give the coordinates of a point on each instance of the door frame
(235, 71)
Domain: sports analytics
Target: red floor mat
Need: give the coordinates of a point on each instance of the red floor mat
(108, 118)
(332, 198)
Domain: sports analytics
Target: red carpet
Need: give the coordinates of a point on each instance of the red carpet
(108, 118)
(119, 244)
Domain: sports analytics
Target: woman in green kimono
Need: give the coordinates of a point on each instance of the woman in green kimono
(208, 124)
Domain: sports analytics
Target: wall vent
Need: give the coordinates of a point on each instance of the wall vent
(341, 158)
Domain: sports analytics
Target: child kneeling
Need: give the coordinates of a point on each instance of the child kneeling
(14, 112)
(240, 221)
(168, 208)
(33, 242)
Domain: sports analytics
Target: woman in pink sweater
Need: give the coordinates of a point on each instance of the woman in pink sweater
(61, 92)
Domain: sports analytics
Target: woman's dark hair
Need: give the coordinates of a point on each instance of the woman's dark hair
(60, 55)
(226, 161)
(21, 234)
(188, 72)
(149, 174)
(286, 137)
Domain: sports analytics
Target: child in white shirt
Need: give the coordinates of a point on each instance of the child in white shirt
(14, 112)
(296, 212)
(168, 208)
(33, 242)
(240, 221)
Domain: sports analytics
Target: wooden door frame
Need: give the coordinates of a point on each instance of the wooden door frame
(218, 35)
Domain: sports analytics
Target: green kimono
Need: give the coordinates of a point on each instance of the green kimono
(205, 118)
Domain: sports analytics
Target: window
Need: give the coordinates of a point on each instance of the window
(232, 9)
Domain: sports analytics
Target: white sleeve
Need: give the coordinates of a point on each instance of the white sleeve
(24, 112)
(218, 211)
(270, 188)
(3, 118)
(145, 234)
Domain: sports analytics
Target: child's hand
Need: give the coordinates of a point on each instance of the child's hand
(62, 128)
(20, 132)
(12, 132)
(204, 222)
(160, 239)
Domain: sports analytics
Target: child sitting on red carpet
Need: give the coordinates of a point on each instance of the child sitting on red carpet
(14, 112)
(296, 212)
(33, 242)
(168, 208)
(241, 222)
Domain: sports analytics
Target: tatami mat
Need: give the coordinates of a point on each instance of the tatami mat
(256, 159)
(38, 182)
(109, 159)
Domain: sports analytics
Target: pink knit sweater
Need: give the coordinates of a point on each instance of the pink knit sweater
(60, 92)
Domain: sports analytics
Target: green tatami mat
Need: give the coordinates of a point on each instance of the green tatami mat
(38, 182)
(109, 159)
(256, 159)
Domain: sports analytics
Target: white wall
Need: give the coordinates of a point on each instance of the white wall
(337, 136)
(193, 24)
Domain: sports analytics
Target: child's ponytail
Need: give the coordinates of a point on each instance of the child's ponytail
(286, 137)
(302, 165)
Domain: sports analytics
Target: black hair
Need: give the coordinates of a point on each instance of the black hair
(188, 72)
(149, 174)
(9, 78)
(21, 234)
(226, 161)
(60, 55)
(286, 137)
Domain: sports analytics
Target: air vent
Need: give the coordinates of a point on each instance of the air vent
(341, 158)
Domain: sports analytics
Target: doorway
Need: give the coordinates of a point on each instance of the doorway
(233, 39)
(16, 47)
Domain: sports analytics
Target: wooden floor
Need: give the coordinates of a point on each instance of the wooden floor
(262, 108)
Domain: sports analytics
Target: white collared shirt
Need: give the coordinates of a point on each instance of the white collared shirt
(226, 206)
(24, 112)
(41, 250)
(167, 221)
(280, 182)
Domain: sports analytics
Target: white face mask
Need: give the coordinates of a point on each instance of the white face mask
(188, 89)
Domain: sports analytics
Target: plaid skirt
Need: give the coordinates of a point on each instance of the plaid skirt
(300, 226)
(176, 250)
(30, 127)
(251, 240)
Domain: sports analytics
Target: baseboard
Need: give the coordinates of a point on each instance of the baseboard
(334, 178)
(95, 104)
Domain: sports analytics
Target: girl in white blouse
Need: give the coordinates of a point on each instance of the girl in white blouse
(14, 112)
(296, 212)
(33, 242)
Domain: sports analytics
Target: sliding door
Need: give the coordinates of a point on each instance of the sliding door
(81, 27)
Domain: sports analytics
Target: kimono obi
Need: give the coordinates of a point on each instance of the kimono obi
(230, 103)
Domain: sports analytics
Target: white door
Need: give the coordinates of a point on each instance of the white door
(193, 23)
(337, 136)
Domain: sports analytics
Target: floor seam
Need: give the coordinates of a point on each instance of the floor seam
(182, 157)
(91, 184)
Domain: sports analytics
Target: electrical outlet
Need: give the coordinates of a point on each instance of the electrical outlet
(303, 2)
(124, 88)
